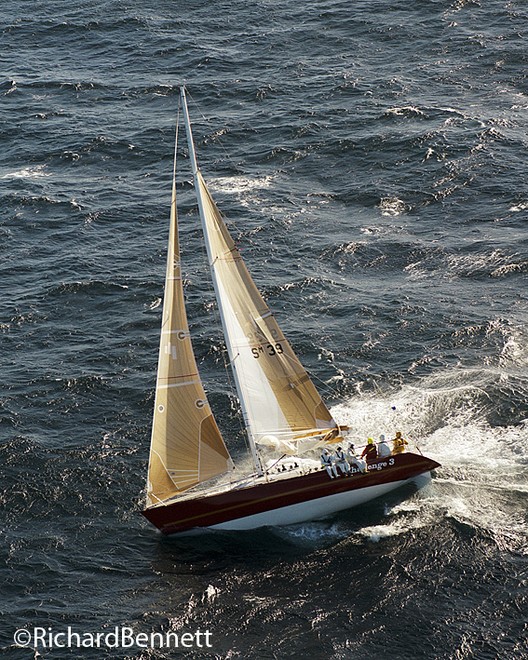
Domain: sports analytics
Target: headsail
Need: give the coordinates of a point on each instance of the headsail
(277, 396)
(187, 447)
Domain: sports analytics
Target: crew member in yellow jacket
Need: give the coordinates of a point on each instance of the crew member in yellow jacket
(398, 444)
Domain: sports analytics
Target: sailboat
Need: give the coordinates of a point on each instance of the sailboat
(192, 482)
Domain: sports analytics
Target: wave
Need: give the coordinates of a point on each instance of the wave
(520, 206)
(510, 269)
(240, 184)
(405, 111)
(487, 262)
(403, 517)
(104, 145)
(83, 383)
(482, 261)
(312, 535)
(447, 398)
(482, 481)
(392, 206)
(40, 201)
(86, 286)
(161, 90)
(54, 84)
(30, 172)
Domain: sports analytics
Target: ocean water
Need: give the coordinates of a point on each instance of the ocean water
(372, 161)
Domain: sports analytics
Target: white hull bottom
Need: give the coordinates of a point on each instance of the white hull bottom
(314, 509)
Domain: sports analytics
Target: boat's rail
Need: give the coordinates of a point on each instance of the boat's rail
(291, 467)
(245, 481)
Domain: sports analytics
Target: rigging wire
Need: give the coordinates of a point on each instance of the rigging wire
(229, 378)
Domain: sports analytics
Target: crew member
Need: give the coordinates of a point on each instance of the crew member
(355, 460)
(328, 463)
(341, 461)
(383, 448)
(398, 444)
(370, 453)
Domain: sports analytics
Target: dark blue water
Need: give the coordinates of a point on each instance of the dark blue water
(372, 159)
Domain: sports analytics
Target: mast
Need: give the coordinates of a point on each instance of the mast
(200, 200)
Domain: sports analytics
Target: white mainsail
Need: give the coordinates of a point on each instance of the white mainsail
(186, 447)
(278, 398)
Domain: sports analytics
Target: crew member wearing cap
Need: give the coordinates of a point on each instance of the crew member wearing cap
(328, 463)
(341, 461)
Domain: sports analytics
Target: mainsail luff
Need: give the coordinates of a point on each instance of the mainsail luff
(275, 392)
(200, 200)
(186, 446)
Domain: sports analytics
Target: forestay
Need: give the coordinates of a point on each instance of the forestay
(186, 447)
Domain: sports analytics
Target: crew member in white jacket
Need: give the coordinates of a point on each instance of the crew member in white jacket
(355, 460)
(327, 461)
(341, 461)
(384, 451)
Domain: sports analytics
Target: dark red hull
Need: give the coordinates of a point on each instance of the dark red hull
(242, 503)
